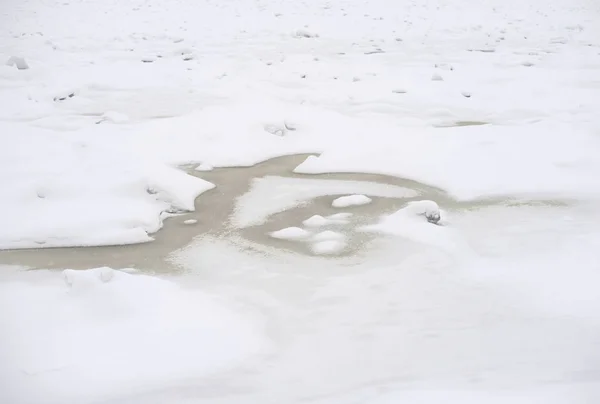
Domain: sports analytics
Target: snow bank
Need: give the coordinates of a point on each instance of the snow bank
(110, 332)
(351, 200)
(272, 194)
(63, 190)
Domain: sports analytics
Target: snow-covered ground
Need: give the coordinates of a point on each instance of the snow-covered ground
(491, 106)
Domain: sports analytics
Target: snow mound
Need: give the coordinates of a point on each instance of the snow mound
(429, 209)
(415, 222)
(328, 247)
(316, 221)
(351, 200)
(328, 235)
(190, 221)
(290, 233)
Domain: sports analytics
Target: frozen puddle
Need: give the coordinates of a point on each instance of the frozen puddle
(254, 203)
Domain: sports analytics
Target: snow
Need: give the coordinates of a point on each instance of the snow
(416, 222)
(18, 62)
(204, 167)
(272, 194)
(328, 247)
(125, 330)
(290, 233)
(351, 200)
(488, 108)
(316, 221)
(190, 221)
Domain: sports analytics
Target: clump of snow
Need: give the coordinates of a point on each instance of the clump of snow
(328, 235)
(426, 208)
(204, 167)
(436, 77)
(18, 62)
(290, 233)
(328, 247)
(351, 200)
(316, 221)
(190, 221)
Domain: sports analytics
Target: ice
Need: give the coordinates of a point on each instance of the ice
(340, 216)
(290, 233)
(272, 194)
(328, 235)
(328, 247)
(351, 200)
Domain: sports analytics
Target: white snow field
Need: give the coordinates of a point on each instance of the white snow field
(487, 109)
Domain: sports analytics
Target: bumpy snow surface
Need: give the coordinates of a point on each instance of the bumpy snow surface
(487, 293)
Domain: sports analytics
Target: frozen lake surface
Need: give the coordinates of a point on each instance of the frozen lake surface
(300, 202)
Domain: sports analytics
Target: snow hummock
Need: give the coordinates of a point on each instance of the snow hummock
(328, 247)
(273, 194)
(351, 200)
(290, 233)
(190, 221)
(316, 221)
(426, 208)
